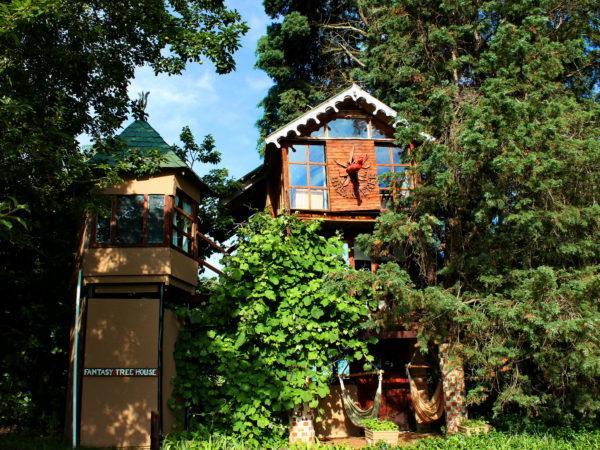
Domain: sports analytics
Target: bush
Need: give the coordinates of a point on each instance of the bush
(266, 339)
(379, 425)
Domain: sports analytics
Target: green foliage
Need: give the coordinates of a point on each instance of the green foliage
(309, 51)
(380, 425)
(567, 439)
(11, 214)
(212, 214)
(65, 68)
(265, 341)
(497, 250)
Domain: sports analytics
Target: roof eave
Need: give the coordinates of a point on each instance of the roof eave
(354, 93)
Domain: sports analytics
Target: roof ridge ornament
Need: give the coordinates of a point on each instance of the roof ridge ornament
(353, 92)
(138, 107)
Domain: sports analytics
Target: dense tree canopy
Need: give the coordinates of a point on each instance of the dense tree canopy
(308, 51)
(65, 69)
(498, 249)
(502, 238)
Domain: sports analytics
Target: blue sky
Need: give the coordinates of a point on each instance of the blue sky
(222, 105)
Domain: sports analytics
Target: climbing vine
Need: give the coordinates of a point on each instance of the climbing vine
(266, 339)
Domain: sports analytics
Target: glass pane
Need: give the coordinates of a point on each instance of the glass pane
(318, 199)
(397, 153)
(130, 210)
(156, 210)
(383, 181)
(298, 175)
(299, 198)
(379, 132)
(317, 175)
(400, 176)
(316, 153)
(356, 128)
(182, 222)
(102, 230)
(297, 153)
(382, 154)
(318, 133)
(175, 237)
(187, 207)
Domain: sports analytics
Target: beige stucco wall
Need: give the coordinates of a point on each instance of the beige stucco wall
(166, 184)
(138, 262)
(333, 422)
(161, 184)
(120, 333)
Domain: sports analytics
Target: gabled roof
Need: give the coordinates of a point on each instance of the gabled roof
(354, 92)
(141, 136)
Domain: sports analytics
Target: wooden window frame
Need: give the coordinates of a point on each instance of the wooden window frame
(193, 219)
(307, 164)
(113, 225)
(386, 192)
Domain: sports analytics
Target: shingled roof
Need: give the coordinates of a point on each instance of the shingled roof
(141, 136)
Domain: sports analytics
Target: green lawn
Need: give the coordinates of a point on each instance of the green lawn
(556, 440)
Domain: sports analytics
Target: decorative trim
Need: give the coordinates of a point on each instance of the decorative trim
(354, 93)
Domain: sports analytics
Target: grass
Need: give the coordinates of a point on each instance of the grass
(16, 441)
(554, 439)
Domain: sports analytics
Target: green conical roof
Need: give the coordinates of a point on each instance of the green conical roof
(141, 136)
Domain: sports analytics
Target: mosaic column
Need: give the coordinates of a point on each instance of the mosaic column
(454, 388)
(302, 430)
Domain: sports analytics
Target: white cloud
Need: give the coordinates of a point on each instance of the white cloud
(259, 82)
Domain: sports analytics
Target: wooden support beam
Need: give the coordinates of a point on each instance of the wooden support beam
(209, 266)
(212, 243)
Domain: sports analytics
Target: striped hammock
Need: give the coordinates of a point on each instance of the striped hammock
(353, 411)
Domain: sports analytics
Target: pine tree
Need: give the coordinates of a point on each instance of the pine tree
(502, 238)
(309, 51)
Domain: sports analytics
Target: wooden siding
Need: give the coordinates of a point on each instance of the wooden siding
(340, 151)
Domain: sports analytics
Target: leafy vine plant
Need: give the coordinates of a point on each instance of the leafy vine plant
(265, 340)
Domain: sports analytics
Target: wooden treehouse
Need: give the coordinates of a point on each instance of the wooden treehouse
(327, 165)
(139, 260)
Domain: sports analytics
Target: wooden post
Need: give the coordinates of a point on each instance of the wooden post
(154, 431)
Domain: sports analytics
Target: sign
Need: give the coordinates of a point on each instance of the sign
(120, 372)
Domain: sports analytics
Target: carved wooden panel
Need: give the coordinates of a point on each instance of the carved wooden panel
(352, 193)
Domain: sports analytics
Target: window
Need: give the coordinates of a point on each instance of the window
(389, 161)
(348, 127)
(129, 219)
(183, 223)
(352, 127)
(308, 177)
(132, 220)
(156, 219)
(362, 261)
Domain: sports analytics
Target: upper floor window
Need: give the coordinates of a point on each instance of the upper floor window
(308, 177)
(132, 220)
(390, 161)
(352, 127)
(183, 223)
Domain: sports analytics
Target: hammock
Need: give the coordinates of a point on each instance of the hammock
(353, 411)
(428, 409)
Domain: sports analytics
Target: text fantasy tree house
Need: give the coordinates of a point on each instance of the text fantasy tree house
(327, 165)
(139, 260)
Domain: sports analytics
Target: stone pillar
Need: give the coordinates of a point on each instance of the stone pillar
(302, 430)
(453, 377)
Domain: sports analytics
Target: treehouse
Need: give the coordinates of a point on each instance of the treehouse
(138, 260)
(339, 163)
